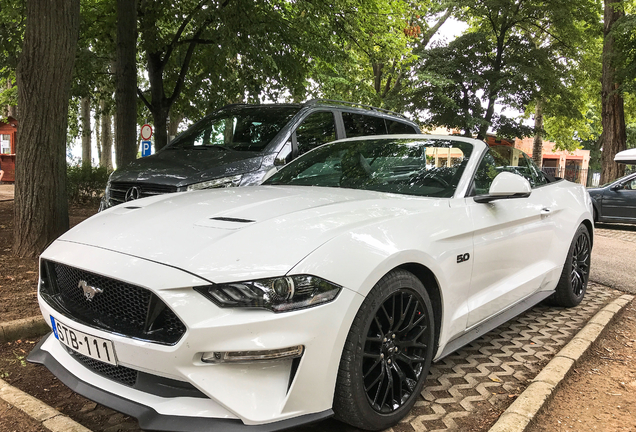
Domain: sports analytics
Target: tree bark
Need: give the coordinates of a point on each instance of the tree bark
(126, 88)
(44, 84)
(612, 109)
(86, 131)
(107, 141)
(159, 104)
(98, 137)
(173, 125)
(537, 144)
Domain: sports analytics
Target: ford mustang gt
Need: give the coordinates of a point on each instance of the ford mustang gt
(329, 290)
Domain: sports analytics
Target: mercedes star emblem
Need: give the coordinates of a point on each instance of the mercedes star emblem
(133, 193)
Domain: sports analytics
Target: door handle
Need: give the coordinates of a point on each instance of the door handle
(545, 211)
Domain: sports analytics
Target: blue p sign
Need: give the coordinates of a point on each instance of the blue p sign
(146, 148)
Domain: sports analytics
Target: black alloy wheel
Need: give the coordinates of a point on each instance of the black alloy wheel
(395, 350)
(387, 354)
(572, 285)
(580, 264)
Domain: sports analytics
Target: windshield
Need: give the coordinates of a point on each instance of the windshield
(240, 129)
(422, 167)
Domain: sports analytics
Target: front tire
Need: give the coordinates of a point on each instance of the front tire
(387, 354)
(576, 271)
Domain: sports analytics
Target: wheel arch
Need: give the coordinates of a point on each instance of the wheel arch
(590, 229)
(428, 279)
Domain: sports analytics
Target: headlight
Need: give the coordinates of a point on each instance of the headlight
(217, 183)
(276, 294)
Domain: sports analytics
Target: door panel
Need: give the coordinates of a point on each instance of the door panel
(621, 203)
(510, 263)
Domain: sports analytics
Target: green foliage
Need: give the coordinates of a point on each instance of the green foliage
(625, 59)
(8, 94)
(12, 23)
(375, 64)
(85, 184)
(515, 52)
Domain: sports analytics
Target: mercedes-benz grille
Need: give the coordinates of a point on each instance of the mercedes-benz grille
(118, 191)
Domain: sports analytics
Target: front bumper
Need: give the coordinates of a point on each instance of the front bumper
(275, 394)
(149, 418)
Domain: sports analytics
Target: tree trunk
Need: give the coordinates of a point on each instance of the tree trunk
(173, 125)
(86, 131)
(44, 84)
(159, 104)
(537, 144)
(126, 76)
(107, 142)
(612, 110)
(98, 137)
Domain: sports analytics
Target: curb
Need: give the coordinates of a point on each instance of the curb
(521, 413)
(48, 417)
(23, 328)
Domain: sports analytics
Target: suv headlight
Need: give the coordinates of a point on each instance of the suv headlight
(276, 294)
(217, 183)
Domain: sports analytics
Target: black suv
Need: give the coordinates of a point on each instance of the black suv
(242, 145)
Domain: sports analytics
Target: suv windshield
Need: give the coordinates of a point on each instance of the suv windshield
(240, 129)
(422, 167)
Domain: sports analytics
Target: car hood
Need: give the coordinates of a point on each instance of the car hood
(180, 167)
(239, 233)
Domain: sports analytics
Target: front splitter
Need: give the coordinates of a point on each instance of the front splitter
(148, 418)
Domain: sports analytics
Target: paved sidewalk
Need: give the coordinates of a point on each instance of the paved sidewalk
(614, 257)
(6, 192)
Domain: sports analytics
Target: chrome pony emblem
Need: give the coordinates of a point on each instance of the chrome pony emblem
(133, 193)
(89, 291)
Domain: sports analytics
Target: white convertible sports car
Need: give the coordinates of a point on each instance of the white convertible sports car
(328, 290)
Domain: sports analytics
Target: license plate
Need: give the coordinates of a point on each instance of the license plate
(90, 346)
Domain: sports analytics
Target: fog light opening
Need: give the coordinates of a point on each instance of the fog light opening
(252, 356)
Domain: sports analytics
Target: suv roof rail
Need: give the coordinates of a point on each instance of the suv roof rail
(313, 102)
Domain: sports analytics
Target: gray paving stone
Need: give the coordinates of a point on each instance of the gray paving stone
(500, 364)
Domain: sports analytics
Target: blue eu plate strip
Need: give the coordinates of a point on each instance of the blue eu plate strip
(54, 327)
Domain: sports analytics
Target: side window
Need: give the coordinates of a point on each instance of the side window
(396, 128)
(538, 179)
(515, 161)
(361, 125)
(317, 129)
(485, 174)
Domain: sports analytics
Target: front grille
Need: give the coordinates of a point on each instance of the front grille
(118, 190)
(121, 374)
(142, 381)
(121, 307)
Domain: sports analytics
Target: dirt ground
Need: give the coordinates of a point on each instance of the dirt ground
(18, 277)
(600, 394)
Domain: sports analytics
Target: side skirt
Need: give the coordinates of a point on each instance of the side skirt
(484, 327)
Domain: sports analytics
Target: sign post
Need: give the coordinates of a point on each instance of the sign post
(146, 144)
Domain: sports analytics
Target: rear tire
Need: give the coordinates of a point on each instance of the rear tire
(576, 271)
(387, 354)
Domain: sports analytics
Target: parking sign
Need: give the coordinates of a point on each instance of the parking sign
(146, 148)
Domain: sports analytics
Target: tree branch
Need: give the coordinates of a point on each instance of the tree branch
(143, 99)
(180, 31)
(432, 30)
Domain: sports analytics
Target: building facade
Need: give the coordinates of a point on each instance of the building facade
(8, 142)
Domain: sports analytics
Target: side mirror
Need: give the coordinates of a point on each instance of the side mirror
(506, 186)
(617, 187)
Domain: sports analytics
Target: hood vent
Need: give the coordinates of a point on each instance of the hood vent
(231, 219)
